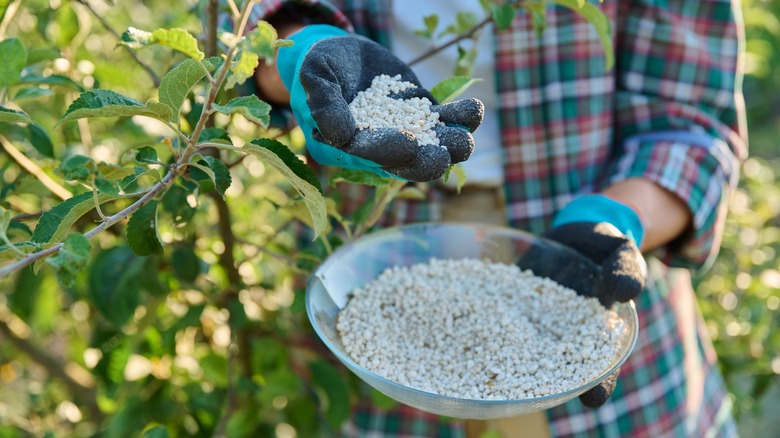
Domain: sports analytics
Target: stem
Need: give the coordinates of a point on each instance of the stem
(387, 195)
(109, 221)
(205, 71)
(149, 71)
(456, 39)
(30, 167)
(97, 200)
(212, 13)
(234, 9)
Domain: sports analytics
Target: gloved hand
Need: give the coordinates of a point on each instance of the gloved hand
(605, 263)
(326, 68)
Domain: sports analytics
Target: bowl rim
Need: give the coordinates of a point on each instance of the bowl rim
(350, 363)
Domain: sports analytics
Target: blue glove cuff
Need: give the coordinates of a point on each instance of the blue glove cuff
(599, 208)
(290, 58)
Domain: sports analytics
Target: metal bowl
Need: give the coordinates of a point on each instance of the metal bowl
(361, 261)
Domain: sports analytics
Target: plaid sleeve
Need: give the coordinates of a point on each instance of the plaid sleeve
(679, 110)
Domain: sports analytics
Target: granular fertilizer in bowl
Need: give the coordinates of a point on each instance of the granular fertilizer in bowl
(374, 108)
(478, 330)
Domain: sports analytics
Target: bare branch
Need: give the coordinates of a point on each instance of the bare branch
(458, 38)
(33, 169)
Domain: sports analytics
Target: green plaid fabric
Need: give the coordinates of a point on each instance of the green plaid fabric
(670, 112)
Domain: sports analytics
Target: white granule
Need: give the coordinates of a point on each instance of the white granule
(374, 108)
(477, 330)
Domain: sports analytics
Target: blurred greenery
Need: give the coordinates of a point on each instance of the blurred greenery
(172, 363)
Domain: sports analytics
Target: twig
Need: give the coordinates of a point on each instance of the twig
(468, 34)
(110, 220)
(152, 75)
(33, 169)
(10, 11)
(85, 395)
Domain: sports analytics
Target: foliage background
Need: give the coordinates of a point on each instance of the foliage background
(171, 360)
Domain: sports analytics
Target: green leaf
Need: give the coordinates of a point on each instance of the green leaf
(465, 63)
(177, 83)
(186, 264)
(156, 432)
(42, 54)
(12, 252)
(14, 58)
(177, 39)
(254, 109)
(261, 41)
(13, 116)
(463, 23)
(491, 433)
(334, 390)
(297, 173)
(146, 154)
(215, 135)
(216, 171)
(67, 25)
(503, 15)
(359, 177)
(114, 284)
(175, 203)
(77, 168)
(53, 80)
(242, 69)
(106, 103)
(112, 172)
(40, 140)
(56, 223)
(460, 174)
(382, 401)
(71, 258)
(431, 23)
(31, 93)
(448, 89)
(599, 21)
(142, 235)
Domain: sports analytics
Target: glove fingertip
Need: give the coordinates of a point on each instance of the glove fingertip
(458, 142)
(429, 164)
(599, 394)
(624, 272)
(465, 112)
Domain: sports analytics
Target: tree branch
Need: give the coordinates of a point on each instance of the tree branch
(458, 38)
(34, 170)
(152, 75)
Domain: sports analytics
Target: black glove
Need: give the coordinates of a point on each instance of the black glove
(326, 68)
(597, 260)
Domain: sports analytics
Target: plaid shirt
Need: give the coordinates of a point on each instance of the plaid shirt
(669, 112)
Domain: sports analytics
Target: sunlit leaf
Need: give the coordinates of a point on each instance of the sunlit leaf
(216, 171)
(113, 172)
(242, 69)
(261, 41)
(177, 39)
(13, 58)
(452, 87)
(13, 116)
(298, 174)
(177, 83)
(106, 103)
(254, 109)
(142, 235)
(71, 258)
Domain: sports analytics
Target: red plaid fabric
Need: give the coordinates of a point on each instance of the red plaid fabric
(671, 112)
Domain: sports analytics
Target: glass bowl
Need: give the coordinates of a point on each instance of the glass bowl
(362, 260)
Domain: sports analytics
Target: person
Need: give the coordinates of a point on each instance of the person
(639, 157)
